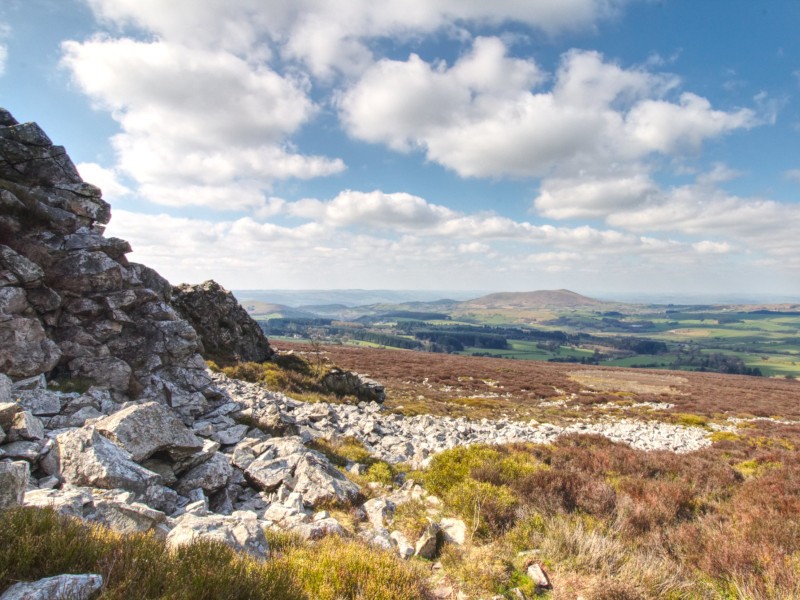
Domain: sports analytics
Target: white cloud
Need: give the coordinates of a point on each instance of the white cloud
(270, 255)
(719, 173)
(198, 126)
(709, 247)
(793, 175)
(106, 179)
(399, 211)
(329, 36)
(595, 114)
(589, 197)
(474, 248)
(660, 126)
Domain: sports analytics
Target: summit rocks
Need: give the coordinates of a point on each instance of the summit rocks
(226, 331)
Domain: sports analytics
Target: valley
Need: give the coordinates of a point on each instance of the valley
(558, 326)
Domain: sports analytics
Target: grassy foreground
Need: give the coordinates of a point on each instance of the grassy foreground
(604, 520)
(36, 543)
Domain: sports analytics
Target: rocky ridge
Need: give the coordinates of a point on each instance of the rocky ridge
(71, 304)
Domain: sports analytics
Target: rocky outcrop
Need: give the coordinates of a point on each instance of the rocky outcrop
(71, 305)
(348, 383)
(227, 332)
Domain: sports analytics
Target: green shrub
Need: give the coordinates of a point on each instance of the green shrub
(485, 507)
(381, 472)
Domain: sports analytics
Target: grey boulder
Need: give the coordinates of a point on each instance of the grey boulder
(74, 587)
(144, 429)
(240, 530)
(87, 458)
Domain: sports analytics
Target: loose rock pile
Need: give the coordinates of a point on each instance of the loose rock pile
(395, 438)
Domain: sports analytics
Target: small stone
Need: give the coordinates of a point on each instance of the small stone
(538, 576)
(428, 542)
(230, 436)
(241, 531)
(404, 548)
(8, 411)
(24, 450)
(25, 427)
(13, 483)
(454, 531)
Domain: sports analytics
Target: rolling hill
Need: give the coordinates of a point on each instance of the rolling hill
(530, 300)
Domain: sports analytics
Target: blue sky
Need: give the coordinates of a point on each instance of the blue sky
(605, 146)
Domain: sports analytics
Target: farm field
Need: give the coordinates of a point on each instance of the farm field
(736, 339)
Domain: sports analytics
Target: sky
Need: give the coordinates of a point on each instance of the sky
(604, 146)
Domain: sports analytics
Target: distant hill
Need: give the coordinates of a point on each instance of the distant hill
(257, 308)
(529, 300)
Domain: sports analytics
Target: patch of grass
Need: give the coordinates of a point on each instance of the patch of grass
(724, 436)
(690, 420)
(755, 467)
(380, 472)
(288, 373)
(336, 569)
(411, 518)
(493, 464)
(486, 508)
(340, 450)
(281, 541)
(36, 543)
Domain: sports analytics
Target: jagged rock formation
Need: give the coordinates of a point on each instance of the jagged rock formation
(71, 305)
(227, 332)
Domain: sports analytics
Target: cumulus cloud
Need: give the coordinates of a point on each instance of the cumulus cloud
(374, 209)
(330, 37)
(106, 179)
(196, 117)
(591, 197)
(502, 123)
(272, 255)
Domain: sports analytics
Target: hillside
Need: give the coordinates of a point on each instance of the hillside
(531, 300)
